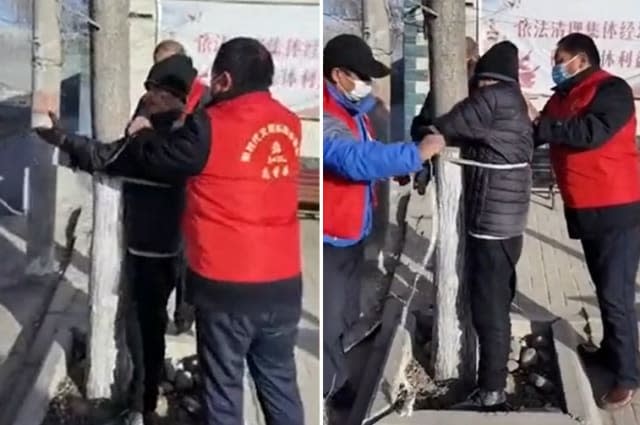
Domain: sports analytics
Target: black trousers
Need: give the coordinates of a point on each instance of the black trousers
(266, 341)
(492, 277)
(151, 281)
(612, 260)
(341, 283)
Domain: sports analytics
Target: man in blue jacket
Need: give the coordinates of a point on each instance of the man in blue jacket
(353, 162)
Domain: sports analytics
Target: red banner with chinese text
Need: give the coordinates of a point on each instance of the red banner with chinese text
(535, 26)
(287, 30)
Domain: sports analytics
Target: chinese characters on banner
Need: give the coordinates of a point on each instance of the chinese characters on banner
(284, 29)
(535, 26)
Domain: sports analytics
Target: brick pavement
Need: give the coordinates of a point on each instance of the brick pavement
(552, 276)
(553, 279)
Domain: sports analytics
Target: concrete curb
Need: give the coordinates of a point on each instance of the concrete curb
(52, 371)
(10, 366)
(577, 387)
(581, 406)
(400, 355)
(451, 417)
(45, 362)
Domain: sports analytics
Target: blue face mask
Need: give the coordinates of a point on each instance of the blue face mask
(559, 72)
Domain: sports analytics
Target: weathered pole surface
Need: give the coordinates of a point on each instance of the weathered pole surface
(454, 340)
(110, 111)
(46, 75)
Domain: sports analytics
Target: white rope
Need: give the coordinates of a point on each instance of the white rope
(487, 165)
(149, 254)
(435, 219)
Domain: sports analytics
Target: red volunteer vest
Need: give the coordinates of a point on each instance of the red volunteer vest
(241, 222)
(343, 200)
(601, 177)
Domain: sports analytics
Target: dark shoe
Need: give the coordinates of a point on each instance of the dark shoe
(484, 401)
(617, 398)
(129, 417)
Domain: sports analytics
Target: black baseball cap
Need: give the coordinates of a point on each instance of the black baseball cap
(353, 54)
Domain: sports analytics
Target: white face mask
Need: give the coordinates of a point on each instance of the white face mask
(360, 91)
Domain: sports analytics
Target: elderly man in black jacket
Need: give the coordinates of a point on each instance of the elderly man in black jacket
(494, 130)
(152, 214)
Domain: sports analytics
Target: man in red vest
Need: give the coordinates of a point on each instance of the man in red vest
(240, 158)
(353, 161)
(590, 125)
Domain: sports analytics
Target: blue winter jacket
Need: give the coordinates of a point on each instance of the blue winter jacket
(363, 160)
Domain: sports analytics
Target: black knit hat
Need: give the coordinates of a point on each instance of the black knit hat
(500, 62)
(174, 74)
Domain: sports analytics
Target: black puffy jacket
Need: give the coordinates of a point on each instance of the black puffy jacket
(492, 126)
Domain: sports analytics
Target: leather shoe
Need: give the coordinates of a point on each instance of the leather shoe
(484, 401)
(617, 398)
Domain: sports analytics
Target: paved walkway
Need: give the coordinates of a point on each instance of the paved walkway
(23, 305)
(32, 310)
(553, 278)
(307, 350)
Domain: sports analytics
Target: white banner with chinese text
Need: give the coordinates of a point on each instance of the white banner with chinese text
(289, 31)
(535, 26)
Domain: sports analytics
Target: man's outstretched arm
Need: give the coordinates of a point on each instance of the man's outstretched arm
(168, 157)
(355, 160)
(147, 154)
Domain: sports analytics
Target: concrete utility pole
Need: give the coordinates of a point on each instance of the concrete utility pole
(46, 69)
(107, 377)
(454, 343)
